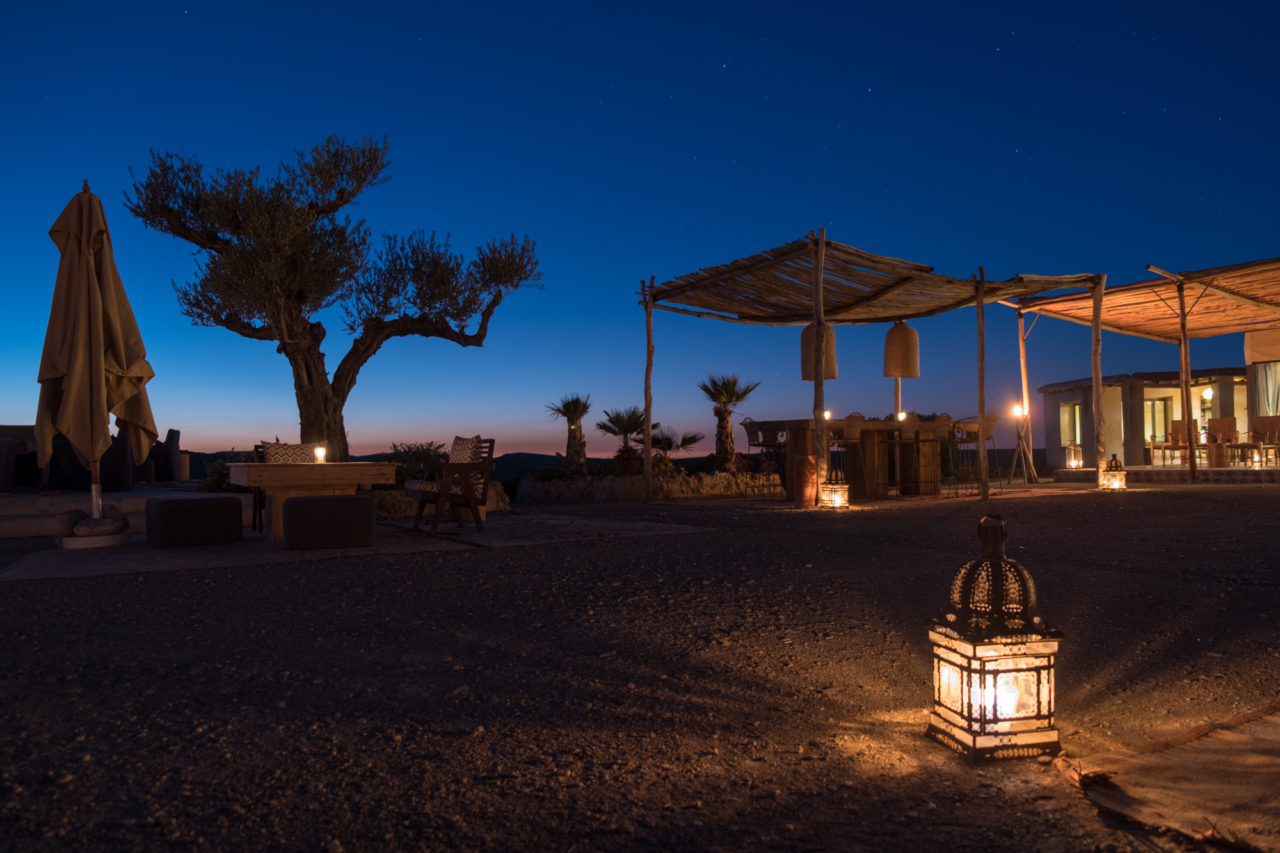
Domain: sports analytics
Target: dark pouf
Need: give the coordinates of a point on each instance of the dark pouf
(329, 521)
(182, 522)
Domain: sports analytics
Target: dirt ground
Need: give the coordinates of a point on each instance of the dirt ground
(760, 682)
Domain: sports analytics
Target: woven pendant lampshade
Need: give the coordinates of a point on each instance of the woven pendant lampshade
(828, 352)
(902, 351)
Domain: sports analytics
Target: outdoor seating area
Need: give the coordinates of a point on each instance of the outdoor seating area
(460, 482)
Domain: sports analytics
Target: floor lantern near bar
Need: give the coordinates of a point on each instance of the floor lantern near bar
(993, 660)
(1113, 477)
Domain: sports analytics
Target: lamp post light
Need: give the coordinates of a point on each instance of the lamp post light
(993, 660)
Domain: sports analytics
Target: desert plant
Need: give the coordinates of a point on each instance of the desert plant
(412, 458)
(573, 409)
(726, 392)
(626, 425)
(217, 475)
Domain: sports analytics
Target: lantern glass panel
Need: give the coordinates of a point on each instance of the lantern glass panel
(949, 691)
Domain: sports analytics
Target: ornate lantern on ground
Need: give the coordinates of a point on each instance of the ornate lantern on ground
(834, 492)
(993, 660)
(1113, 477)
(1075, 458)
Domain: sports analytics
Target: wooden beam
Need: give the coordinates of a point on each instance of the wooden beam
(1025, 428)
(648, 388)
(715, 278)
(1184, 375)
(874, 296)
(1107, 327)
(979, 301)
(1095, 366)
(819, 367)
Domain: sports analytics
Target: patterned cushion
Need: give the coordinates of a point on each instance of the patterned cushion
(465, 449)
(273, 452)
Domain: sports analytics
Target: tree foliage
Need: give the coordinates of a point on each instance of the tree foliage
(273, 253)
(726, 393)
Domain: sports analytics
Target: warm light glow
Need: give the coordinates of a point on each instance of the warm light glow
(1000, 697)
(1017, 410)
(835, 495)
(902, 416)
(1113, 480)
(1207, 393)
(319, 454)
(827, 414)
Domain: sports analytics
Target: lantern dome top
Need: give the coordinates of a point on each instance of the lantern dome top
(993, 596)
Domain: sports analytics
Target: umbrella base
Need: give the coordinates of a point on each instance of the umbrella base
(75, 543)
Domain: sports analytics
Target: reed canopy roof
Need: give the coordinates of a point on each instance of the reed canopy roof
(1219, 301)
(775, 288)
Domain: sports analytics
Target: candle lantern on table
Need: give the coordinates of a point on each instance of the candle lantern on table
(993, 660)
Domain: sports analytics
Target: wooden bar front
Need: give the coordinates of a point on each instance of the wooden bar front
(283, 480)
(874, 451)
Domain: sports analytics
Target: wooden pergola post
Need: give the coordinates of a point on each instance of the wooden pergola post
(1025, 428)
(647, 293)
(979, 302)
(1095, 360)
(819, 368)
(1184, 376)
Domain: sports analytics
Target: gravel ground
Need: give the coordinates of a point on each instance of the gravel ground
(760, 683)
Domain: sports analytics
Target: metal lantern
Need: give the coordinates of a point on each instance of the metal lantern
(1075, 458)
(1113, 477)
(901, 351)
(828, 352)
(993, 660)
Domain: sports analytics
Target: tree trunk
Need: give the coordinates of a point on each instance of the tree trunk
(319, 406)
(575, 451)
(725, 454)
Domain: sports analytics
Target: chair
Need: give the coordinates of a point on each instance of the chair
(770, 437)
(1175, 442)
(462, 481)
(1264, 431)
(1222, 446)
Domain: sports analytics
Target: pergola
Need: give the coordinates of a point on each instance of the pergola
(819, 281)
(1174, 308)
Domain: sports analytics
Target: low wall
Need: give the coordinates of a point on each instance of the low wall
(631, 488)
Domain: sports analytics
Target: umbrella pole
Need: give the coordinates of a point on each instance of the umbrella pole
(95, 490)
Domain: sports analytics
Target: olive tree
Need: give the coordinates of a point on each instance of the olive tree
(271, 254)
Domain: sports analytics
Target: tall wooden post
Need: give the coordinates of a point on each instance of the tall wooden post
(1184, 376)
(819, 367)
(1099, 422)
(1029, 467)
(979, 302)
(647, 290)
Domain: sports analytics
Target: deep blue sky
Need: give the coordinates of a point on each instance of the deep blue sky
(638, 139)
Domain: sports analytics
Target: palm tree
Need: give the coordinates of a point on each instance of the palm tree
(664, 442)
(625, 424)
(726, 392)
(573, 409)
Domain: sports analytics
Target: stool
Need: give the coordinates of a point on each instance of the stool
(329, 521)
(184, 522)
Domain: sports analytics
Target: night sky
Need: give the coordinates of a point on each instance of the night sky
(651, 139)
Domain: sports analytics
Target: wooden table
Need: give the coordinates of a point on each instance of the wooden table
(283, 480)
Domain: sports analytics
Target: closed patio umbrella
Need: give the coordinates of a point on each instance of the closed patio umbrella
(94, 364)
